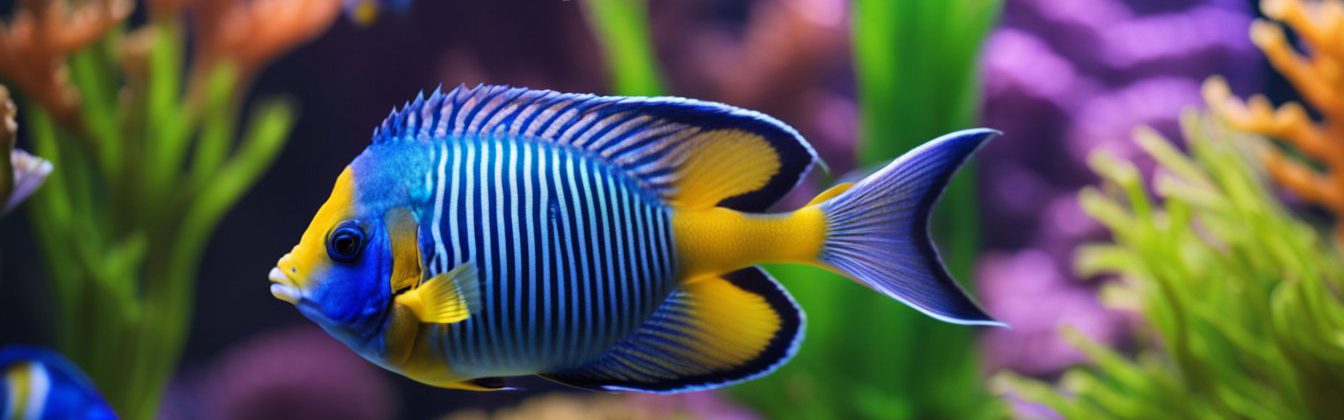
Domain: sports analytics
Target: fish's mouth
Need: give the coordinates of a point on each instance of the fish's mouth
(283, 288)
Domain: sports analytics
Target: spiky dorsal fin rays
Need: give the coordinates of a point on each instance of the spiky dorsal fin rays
(689, 153)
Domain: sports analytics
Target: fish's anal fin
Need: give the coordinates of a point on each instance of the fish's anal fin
(446, 298)
(489, 384)
(721, 164)
(709, 333)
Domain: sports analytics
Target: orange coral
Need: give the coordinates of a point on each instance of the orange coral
(250, 33)
(34, 44)
(1319, 78)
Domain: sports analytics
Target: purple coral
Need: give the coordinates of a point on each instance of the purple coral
(296, 373)
(1063, 79)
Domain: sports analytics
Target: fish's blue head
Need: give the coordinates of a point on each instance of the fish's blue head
(338, 273)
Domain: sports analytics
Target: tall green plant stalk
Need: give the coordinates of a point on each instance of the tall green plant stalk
(622, 29)
(142, 186)
(866, 356)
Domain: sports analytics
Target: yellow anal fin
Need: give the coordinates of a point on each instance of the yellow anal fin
(710, 333)
(447, 298)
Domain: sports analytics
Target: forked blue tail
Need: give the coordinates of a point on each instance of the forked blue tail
(878, 230)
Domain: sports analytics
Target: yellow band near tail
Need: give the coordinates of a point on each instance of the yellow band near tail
(718, 240)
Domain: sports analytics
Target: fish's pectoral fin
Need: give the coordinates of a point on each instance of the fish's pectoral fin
(709, 333)
(446, 298)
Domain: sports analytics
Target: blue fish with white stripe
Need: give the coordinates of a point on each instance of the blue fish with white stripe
(40, 384)
(601, 242)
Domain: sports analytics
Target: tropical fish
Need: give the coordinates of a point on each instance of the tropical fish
(40, 384)
(601, 242)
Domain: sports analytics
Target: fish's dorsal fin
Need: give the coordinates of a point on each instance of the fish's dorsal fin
(690, 153)
(446, 298)
(709, 333)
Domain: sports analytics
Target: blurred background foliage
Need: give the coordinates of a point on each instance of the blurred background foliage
(1239, 299)
(128, 233)
(1237, 296)
(151, 154)
(858, 360)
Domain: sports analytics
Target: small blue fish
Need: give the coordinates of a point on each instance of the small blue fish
(601, 242)
(40, 384)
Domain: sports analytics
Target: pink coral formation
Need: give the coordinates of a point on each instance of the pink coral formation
(695, 405)
(295, 373)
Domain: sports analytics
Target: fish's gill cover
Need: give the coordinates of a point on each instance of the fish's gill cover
(652, 139)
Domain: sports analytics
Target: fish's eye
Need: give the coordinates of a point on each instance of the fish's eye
(345, 241)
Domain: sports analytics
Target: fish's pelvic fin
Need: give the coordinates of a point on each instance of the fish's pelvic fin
(709, 333)
(877, 232)
(446, 298)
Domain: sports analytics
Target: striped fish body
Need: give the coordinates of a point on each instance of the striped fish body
(600, 242)
(572, 254)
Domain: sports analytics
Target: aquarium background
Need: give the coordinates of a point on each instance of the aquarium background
(862, 80)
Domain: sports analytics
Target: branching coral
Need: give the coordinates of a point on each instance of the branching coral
(1319, 78)
(249, 34)
(34, 45)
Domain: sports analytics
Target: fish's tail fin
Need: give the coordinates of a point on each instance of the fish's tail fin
(877, 232)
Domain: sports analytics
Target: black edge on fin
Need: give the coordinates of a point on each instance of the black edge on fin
(668, 354)
(492, 384)
(632, 133)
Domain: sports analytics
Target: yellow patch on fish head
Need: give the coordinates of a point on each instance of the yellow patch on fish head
(297, 271)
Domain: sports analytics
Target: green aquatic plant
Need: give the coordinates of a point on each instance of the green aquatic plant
(1242, 315)
(149, 157)
(622, 29)
(866, 356)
